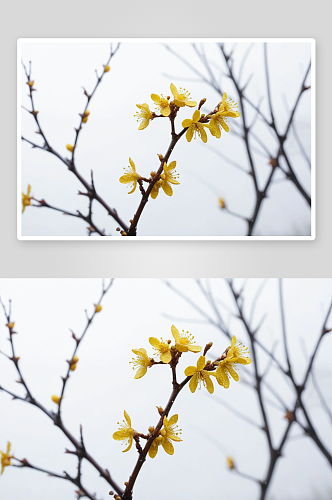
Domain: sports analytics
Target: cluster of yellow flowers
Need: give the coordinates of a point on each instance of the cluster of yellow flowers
(221, 369)
(214, 121)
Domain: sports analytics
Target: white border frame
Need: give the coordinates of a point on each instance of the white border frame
(312, 42)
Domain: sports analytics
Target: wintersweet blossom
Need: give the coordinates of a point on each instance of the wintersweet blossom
(162, 103)
(230, 462)
(56, 400)
(107, 68)
(184, 341)
(199, 375)
(228, 107)
(168, 433)
(125, 432)
(6, 458)
(222, 204)
(162, 349)
(195, 127)
(168, 177)
(70, 147)
(73, 363)
(226, 367)
(98, 308)
(182, 97)
(26, 199)
(143, 116)
(141, 362)
(130, 176)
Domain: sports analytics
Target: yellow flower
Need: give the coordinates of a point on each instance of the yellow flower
(162, 103)
(106, 69)
(217, 121)
(228, 108)
(198, 375)
(130, 176)
(230, 463)
(141, 363)
(5, 458)
(56, 400)
(30, 83)
(239, 351)
(154, 446)
(162, 349)
(169, 432)
(234, 355)
(195, 127)
(168, 177)
(10, 325)
(26, 199)
(70, 147)
(182, 98)
(98, 308)
(144, 115)
(125, 432)
(222, 203)
(184, 341)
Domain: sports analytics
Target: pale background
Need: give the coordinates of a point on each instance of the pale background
(103, 386)
(111, 136)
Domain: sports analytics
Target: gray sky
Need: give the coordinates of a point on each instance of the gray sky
(103, 386)
(111, 136)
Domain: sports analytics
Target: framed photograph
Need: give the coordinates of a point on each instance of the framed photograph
(166, 139)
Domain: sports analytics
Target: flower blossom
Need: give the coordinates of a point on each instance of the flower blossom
(125, 432)
(130, 176)
(184, 341)
(162, 349)
(195, 127)
(182, 98)
(168, 433)
(143, 116)
(235, 354)
(6, 458)
(162, 103)
(168, 177)
(199, 375)
(141, 362)
(26, 199)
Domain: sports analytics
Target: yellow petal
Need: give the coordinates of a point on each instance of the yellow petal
(129, 445)
(203, 135)
(132, 164)
(225, 126)
(186, 123)
(191, 104)
(234, 374)
(209, 383)
(155, 98)
(193, 383)
(189, 133)
(153, 450)
(201, 363)
(165, 357)
(224, 98)
(127, 418)
(154, 342)
(171, 165)
(134, 187)
(166, 111)
(143, 124)
(174, 90)
(173, 420)
(196, 116)
(120, 435)
(175, 331)
(168, 447)
(167, 189)
(194, 348)
(181, 347)
(190, 371)
(141, 372)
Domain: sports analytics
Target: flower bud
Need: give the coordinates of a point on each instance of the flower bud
(30, 83)
(10, 325)
(70, 147)
(98, 308)
(73, 367)
(106, 69)
(56, 400)
(85, 119)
